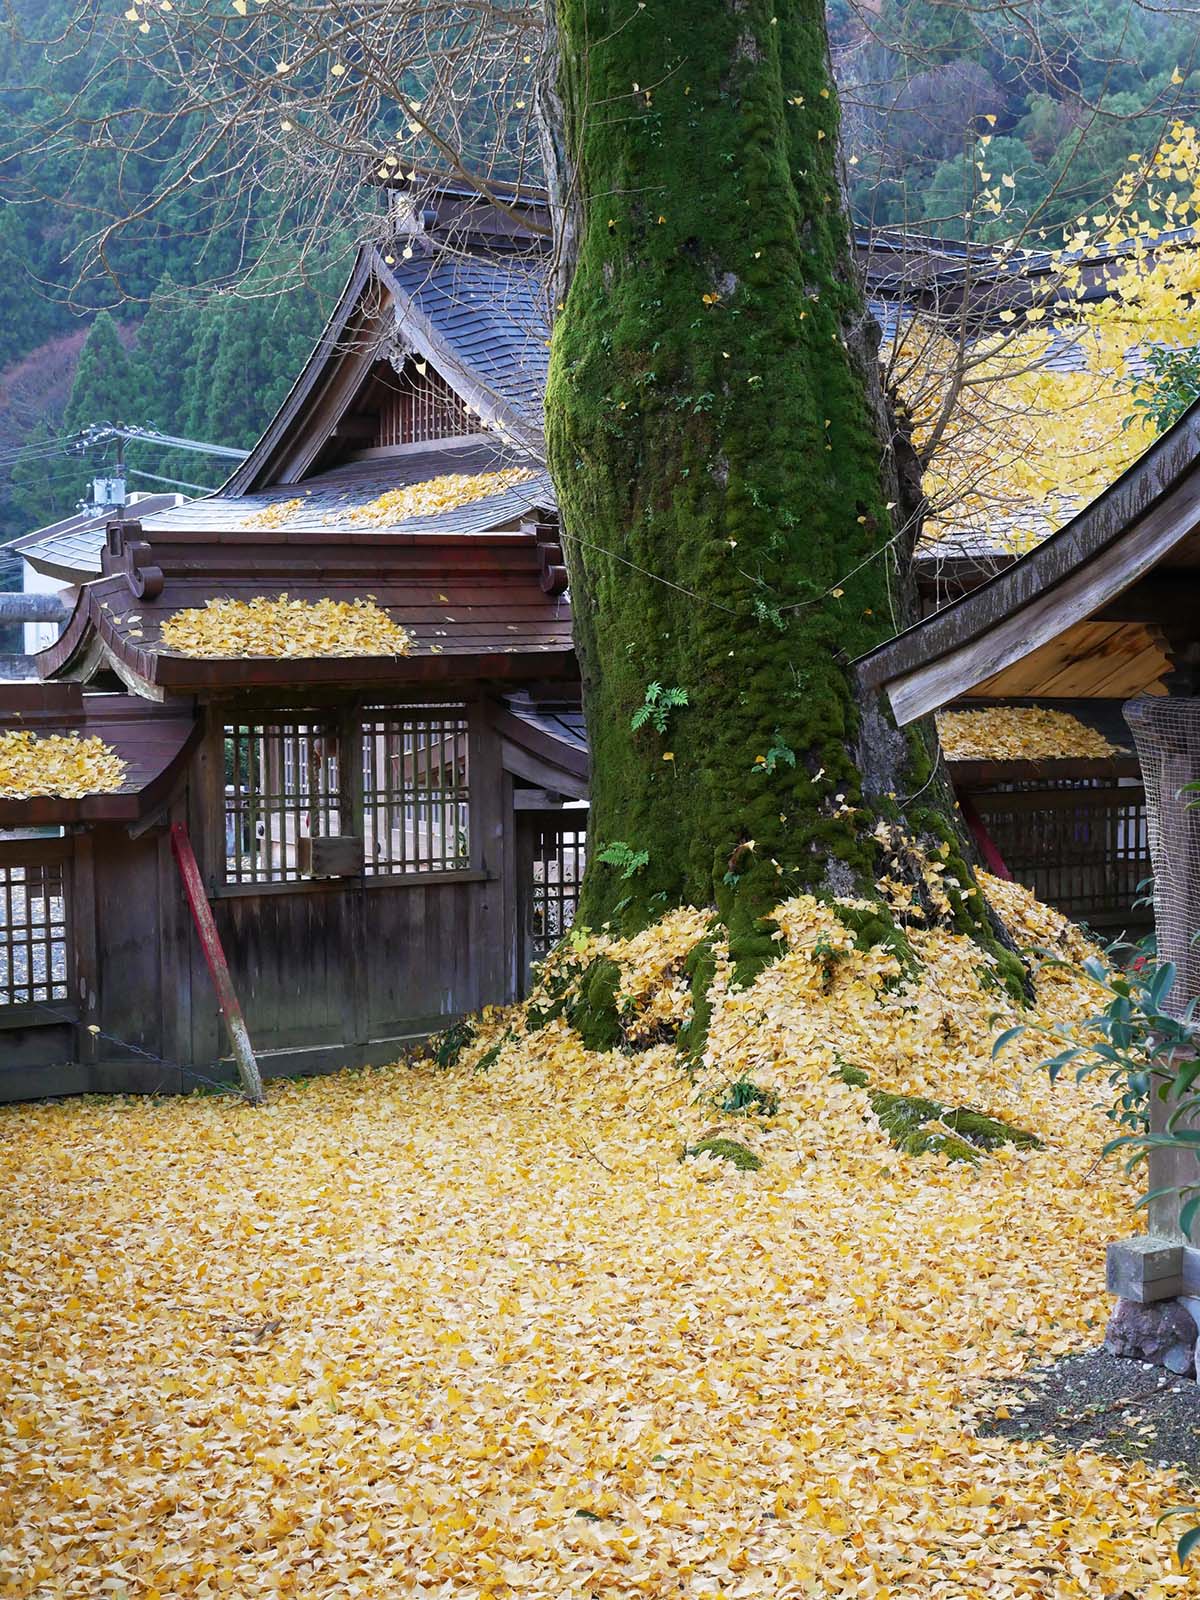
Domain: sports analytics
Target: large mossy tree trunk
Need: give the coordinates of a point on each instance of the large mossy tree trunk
(725, 465)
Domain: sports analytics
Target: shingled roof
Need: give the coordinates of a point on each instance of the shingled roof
(481, 323)
(69, 549)
(485, 325)
(330, 500)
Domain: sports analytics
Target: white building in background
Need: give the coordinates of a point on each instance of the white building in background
(59, 558)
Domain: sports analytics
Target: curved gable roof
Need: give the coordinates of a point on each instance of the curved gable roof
(1146, 519)
(481, 322)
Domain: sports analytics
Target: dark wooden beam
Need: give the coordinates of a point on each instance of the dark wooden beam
(1162, 598)
(356, 429)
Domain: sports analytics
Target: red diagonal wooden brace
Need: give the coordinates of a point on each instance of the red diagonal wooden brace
(210, 943)
(992, 859)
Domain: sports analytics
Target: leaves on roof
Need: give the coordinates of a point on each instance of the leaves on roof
(223, 629)
(438, 495)
(64, 765)
(1019, 733)
(275, 515)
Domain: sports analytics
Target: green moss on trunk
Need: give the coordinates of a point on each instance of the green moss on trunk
(593, 1012)
(724, 465)
(714, 442)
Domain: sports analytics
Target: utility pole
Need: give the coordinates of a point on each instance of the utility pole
(110, 493)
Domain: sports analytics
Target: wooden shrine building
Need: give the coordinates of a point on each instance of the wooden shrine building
(1103, 612)
(386, 841)
(1106, 611)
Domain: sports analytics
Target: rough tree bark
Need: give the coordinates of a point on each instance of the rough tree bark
(727, 469)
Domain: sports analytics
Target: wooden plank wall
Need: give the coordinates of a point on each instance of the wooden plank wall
(329, 973)
(349, 970)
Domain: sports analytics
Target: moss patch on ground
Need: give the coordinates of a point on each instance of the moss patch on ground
(701, 968)
(593, 1012)
(447, 1047)
(738, 1155)
(919, 1126)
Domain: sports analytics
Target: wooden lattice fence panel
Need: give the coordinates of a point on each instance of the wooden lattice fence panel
(554, 861)
(1084, 849)
(416, 789)
(281, 786)
(34, 924)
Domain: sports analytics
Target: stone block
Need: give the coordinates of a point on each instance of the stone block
(1144, 1269)
(1162, 1333)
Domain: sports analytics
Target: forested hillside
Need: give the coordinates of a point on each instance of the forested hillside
(199, 340)
(1060, 94)
(201, 343)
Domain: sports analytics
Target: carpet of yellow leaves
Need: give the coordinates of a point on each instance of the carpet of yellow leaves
(57, 764)
(463, 1334)
(1018, 733)
(436, 495)
(283, 627)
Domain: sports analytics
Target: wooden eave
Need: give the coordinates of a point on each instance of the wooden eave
(531, 752)
(153, 741)
(483, 607)
(1090, 598)
(494, 213)
(976, 774)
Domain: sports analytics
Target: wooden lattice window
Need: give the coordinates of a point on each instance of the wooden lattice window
(559, 857)
(34, 948)
(1081, 846)
(416, 789)
(281, 786)
(420, 406)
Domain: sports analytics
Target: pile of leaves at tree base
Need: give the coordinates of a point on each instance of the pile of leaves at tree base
(487, 1328)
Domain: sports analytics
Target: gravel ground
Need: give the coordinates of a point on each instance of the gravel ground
(1124, 1408)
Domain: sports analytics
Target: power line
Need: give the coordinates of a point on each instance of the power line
(102, 433)
(176, 483)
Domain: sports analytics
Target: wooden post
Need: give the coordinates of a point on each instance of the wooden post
(210, 943)
(992, 859)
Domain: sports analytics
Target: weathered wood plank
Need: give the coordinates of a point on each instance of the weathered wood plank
(1013, 632)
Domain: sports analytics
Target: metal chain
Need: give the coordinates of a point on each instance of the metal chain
(149, 1055)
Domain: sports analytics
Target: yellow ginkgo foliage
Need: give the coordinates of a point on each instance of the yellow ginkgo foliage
(1025, 424)
(276, 515)
(285, 627)
(1018, 733)
(437, 495)
(63, 765)
(489, 1331)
